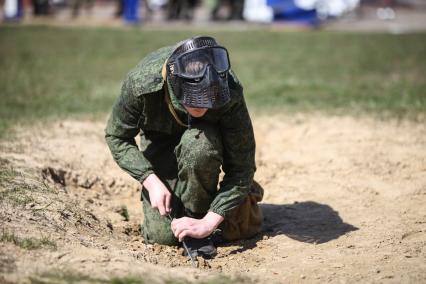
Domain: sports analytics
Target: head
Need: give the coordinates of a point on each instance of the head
(198, 72)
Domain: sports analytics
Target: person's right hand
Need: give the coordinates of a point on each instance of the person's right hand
(159, 195)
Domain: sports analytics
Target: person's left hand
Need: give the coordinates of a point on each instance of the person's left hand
(196, 228)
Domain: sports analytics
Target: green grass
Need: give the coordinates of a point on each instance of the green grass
(71, 277)
(28, 243)
(13, 189)
(17, 187)
(56, 73)
(63, 277)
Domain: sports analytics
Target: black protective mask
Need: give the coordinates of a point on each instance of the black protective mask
(209, 91)
(199, 75)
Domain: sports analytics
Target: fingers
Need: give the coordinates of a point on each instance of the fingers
(183, 227)
(159, 195)
(168, 201)
(178, 226)
(183, 234)
(177, 231)
(161, 202)
(183, 222)
(173, 225)
(162, 208)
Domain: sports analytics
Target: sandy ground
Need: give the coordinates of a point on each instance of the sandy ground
(344, 202)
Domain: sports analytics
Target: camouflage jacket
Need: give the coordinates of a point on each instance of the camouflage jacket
(142, 107)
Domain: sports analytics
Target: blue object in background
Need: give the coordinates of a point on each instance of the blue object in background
(286, 10)
(130, 11)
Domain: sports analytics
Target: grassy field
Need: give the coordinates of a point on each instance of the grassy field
(55, 72)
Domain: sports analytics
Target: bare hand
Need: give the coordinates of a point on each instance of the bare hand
(196, 228)
(159, 195)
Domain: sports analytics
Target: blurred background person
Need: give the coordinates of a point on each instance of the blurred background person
(77, 4)
(12, 9)
(385, 10)
(234, 10)
(40, 7)
(181, 9)
(120, 8)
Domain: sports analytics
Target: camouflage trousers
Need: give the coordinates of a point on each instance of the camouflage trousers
(189, 165)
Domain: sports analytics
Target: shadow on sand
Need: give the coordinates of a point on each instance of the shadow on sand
(307, 221)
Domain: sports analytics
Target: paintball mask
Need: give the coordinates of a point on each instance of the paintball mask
(198, 73)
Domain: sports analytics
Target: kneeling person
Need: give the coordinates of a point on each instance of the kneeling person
(188, 106)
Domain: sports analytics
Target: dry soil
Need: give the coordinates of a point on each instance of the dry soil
(344, 202)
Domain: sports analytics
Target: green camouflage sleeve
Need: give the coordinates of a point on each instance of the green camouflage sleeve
(122, 127)
(238, 160)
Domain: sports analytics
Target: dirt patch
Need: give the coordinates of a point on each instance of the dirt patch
(344, 202)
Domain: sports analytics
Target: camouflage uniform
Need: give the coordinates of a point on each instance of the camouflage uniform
(187, 160)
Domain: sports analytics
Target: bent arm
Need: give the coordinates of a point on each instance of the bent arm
(239, 158)
(122, 127)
